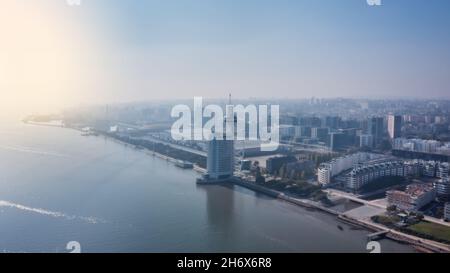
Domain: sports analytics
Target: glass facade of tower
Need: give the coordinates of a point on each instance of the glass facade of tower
(220, 162)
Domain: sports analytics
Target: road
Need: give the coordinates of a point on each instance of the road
(376, 203)
(175, 146)
(354, 198)
(412, 238)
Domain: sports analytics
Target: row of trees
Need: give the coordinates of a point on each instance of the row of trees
(163, 149)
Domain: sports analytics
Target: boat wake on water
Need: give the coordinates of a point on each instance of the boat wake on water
(31, 151)
(90, 220)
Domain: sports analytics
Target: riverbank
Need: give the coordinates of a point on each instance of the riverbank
(420, 244)
(161, 208)
(137, 147)
(282, 196)
(57, 124)
(256, 188)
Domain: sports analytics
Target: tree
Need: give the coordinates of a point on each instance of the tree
(281, 172)
(260, 180)
(419, 216)
(439, 212)
(391, 208)
(385, 145)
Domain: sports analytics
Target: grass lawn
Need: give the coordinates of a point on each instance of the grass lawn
(386, 220)
(437, 231)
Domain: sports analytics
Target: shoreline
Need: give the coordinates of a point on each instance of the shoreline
(418, 243)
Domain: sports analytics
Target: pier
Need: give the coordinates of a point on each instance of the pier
(377, 235)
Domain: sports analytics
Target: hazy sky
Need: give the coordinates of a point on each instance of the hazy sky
(52, 54)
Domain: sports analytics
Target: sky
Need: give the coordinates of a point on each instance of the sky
(54, 55)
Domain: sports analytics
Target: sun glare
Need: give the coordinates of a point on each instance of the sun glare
(37, 64)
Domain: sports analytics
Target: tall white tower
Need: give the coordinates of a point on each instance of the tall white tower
(220, 161)
(394, 126)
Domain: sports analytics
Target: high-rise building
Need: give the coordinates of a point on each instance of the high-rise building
(394, 126)
(320, 133)
(336, 140)
(310, 121)
(287, 131)
(288, 120)
(220, 160)
(342, 139)
(375, 127)
(303, 131)
(332, 122)
(366, 141)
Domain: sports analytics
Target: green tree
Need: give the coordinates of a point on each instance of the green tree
(391, 208)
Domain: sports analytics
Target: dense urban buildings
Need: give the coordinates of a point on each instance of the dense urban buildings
(418, 167)
(329, 146)
(422, 146)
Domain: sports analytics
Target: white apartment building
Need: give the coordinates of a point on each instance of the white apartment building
(394, 126)
(442, 170)
(429, 168)
(336, 166)
(421, 145)
(365, 174)
(413, 198)
(413, 167)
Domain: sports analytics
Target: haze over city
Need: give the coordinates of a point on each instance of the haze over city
(222, 127)
(104, 51)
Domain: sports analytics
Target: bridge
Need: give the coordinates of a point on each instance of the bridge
(377, 235)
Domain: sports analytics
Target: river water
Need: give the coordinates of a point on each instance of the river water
(57, 186)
